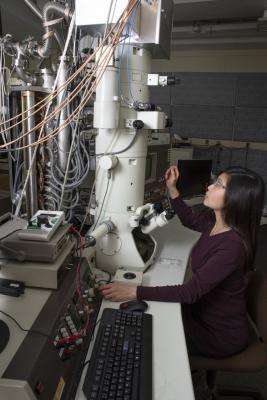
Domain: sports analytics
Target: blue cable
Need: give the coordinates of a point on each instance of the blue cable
(7, 150)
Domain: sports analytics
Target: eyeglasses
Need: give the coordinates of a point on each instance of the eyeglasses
(217, 183)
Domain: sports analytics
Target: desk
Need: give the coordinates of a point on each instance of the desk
(171, 372)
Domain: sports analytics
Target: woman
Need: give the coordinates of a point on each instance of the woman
(213, 300)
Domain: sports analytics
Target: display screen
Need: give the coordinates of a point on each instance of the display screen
(194, 177)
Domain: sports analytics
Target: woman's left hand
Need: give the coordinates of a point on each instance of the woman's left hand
(117, 292)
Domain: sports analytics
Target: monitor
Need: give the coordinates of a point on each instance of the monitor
(194, 177)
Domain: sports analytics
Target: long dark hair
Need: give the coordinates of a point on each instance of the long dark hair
(243, 204)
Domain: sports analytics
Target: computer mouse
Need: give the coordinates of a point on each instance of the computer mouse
(4, 335)
(134, 305)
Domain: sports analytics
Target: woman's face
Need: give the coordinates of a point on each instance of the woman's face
(214, 197)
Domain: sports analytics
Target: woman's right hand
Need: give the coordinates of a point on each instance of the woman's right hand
(171, 177)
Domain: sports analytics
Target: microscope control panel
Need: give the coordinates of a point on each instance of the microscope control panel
(42, 225)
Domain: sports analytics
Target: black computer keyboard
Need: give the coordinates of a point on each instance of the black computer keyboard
(120, 367)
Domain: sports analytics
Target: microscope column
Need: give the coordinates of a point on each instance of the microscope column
(121, 190)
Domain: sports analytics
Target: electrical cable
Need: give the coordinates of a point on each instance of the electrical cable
(99, 68)
(102, 205)
(9, 234)
(123, 150)
(86, 363)
(52, 95)
(105, 280)
(119, 25)
(97, 322)
(129, 31)
(69, 158)
(41, 132)
(78, 269)
(21, 328)
(110, 145)
(67, 121)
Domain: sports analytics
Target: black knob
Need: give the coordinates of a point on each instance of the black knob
(42, 219)
(129, 275)
(172, 80)
(158, 208)
(168, 123)
(138, 124)
(169, 214)
(91, 241)
(144, 221)
(149, 107)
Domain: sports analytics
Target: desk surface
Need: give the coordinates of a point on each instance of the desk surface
(171, 372)
(18, 308)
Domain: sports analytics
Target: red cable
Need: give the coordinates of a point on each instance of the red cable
(78, 270)
(82, 331)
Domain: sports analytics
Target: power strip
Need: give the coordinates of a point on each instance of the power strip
(42, 225)
(128, 278)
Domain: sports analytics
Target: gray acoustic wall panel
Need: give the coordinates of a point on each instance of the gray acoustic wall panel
(203, 121)
(160, 95)
(250, 124)
(220, 156)
(205, 89)
(223, 107)
(223, 158)
(203, 153)
(239, 157)
(252, 90)
(165, 108)
(219, 106)
(257, 161)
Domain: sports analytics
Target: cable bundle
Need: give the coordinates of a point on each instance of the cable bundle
(59, 189)
(101, 57)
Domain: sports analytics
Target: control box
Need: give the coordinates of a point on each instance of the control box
(128, 278)
(42, 225)
(48, 365)
(22, 250)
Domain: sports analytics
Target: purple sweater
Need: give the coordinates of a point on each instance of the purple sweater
(213, 300)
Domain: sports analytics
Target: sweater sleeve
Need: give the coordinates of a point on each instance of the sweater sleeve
(219, 267)
(198, 222)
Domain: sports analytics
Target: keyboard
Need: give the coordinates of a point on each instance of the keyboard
(120, 367)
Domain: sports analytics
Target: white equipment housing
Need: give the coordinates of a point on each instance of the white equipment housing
(120, 184)
(42, 225)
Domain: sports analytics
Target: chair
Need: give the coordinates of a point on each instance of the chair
(251, 359)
